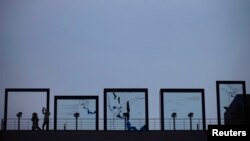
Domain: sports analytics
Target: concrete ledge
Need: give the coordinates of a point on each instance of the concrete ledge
(103, 135)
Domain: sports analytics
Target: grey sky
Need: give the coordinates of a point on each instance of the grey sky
(80, 47)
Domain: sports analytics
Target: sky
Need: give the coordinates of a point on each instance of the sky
(80, 47)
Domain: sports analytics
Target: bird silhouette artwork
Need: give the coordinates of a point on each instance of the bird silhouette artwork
(117, 97)
(88, 111)
(119, 100)
(114, 95)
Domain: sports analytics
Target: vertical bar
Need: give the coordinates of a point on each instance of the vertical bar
(218, 102)
(174, 122)
(203, 109)
(76, 122)
(190, 120)
(48, 98)
(162, 109)
(97, 113)
(55, 113)
(146, 109)
(18, 123)
(105, 110)
(5, 109)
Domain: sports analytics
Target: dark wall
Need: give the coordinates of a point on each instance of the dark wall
(103, 135)
(237, 112)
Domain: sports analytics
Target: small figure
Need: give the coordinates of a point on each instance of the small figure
(35, 121)
(46, 114)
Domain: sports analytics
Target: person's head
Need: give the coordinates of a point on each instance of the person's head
(34, 115)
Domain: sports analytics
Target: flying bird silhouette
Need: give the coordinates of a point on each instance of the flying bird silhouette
(114, 95)
(119, 100)
(89, 112)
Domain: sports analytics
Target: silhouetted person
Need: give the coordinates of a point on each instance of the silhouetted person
(35, 120)
(46, 114)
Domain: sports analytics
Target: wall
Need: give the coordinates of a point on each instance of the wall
(102, 135)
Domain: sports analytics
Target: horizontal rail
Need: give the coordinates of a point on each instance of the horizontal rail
(112, 124)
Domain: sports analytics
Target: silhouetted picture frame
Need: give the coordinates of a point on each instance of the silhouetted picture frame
(126, 109)
(35, 90)
(177, 106)
(66, 108)
(225, 93)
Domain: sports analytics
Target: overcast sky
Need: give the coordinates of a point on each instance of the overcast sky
(79, 47)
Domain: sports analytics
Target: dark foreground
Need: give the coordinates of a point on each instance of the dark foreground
(103, 135)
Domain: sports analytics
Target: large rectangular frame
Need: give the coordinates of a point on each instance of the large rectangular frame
(76, 98)
(218, 83)
(7, 90)
(144, 90)
(181, 90)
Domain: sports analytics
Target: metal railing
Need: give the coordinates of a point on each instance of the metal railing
(90, 124)
(70, 124)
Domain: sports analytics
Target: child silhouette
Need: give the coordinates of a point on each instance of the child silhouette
(35, 120)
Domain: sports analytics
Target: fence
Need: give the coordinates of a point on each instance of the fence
(89, 124)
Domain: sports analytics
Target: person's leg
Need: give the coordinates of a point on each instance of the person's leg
(33, 127)
(47, 125)
(43, 125)
(37, 127)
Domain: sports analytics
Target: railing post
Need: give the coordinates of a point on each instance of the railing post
(19, 115)
(76, 115)
(125, 123)
(174, 115)
(64, 127)
(190, 115)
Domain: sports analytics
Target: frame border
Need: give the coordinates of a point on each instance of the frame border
(243, 83)
(65, 97)
(144, 90)
(182, 90)
(7, 90)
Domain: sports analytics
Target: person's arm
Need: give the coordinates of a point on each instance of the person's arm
(43, 110)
